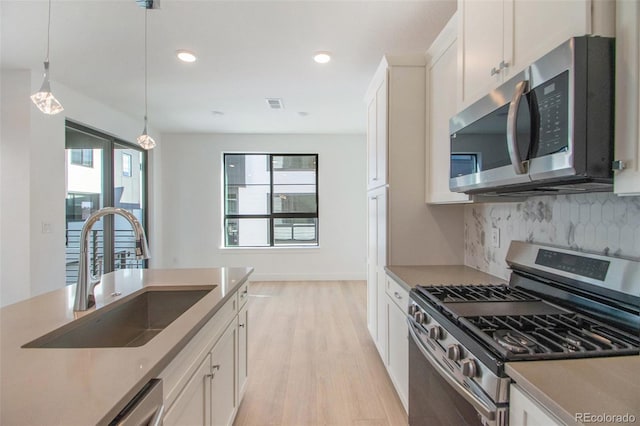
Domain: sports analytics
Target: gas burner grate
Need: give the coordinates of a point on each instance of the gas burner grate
(475, 293)
(551, 336)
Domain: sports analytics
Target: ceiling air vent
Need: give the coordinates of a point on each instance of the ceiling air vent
(275, 103)
(148, 4)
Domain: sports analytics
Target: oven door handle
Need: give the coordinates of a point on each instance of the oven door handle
(483, 409)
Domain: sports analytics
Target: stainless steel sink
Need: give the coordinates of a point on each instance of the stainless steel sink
(128, 324)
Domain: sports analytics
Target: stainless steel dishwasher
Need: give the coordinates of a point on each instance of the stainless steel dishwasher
(145, 409)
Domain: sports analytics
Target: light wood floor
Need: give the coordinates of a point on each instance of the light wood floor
(312, 360)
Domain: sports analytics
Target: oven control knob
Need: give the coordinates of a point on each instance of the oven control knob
(454, 352)
(469, 368)
(435, 332)
(420, 317)
(413, 309)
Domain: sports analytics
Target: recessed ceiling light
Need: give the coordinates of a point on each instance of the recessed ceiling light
(186, 56)
(322, 57)
(303, 113)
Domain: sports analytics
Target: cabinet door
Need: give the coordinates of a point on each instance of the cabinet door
(377, 137)
(627, 149)
(243, 350)
(480, 47)
(398, 350)
(441, 105)
(192, 406)
(376, 259)
(524, 411)
(560, 20)
(223, 364)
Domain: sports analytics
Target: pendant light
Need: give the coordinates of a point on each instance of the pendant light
(144, 140)
(43, 98)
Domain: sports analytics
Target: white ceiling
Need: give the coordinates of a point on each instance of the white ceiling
(247, 50)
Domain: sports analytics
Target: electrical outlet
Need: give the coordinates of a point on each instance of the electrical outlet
(47, 228)
(495, 237)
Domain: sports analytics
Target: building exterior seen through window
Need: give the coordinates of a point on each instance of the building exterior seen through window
(102, 171)
(270, 200)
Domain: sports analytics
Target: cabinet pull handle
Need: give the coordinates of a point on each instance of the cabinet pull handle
(212, 375)
(504, 65)
(241, 325)
(397, 295)
(495, 71)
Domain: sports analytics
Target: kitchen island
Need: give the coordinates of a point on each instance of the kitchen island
(82, 386)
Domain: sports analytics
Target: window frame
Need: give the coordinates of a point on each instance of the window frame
(128, 160)
(270, 216)
(85, 154)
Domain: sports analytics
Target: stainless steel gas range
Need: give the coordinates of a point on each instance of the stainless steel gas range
(559, 304)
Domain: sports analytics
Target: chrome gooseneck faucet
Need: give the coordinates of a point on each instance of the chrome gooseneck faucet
(87, 281)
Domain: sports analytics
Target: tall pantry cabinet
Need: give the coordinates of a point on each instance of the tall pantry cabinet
(402, 229)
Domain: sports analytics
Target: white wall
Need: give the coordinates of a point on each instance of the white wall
(191, 190)
(32, 183)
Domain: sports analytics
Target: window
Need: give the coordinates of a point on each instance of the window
(126, 165)
(106, 183)
(270, 200)
(82, 157)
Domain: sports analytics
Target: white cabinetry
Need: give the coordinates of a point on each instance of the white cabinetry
(397, 362)
(627, 149)
(377, 134)
(441, 105)
(205, 382)
(376, 260)
(192, 408)
(497, 39)
(222, 378)
(524, 411)
(402, 228)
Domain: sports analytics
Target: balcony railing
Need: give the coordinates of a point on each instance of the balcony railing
(124, 252)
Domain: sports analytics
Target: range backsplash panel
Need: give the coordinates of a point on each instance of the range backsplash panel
(598, 222)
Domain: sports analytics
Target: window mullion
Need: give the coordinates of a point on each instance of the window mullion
(271, 221)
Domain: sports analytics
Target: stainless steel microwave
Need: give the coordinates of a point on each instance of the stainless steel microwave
(547, 130)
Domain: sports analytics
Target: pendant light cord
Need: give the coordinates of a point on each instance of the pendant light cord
(48, 31)
(145, 68)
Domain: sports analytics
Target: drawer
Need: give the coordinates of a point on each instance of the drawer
(243, 295)
(397, 293)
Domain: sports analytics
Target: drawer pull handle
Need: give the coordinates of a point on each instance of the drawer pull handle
(397, 295)
(241, 325)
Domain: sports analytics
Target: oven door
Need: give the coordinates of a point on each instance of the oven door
(435, 395)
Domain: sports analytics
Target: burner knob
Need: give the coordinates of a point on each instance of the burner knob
(413, 309)
(454, 352)
(435, 332)
(469, 368)
(420, 317)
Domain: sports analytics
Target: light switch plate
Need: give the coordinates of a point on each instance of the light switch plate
(495, 237)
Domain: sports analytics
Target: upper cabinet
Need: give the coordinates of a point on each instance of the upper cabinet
(377, 101)
(441, 105)
(497, 39)
(627, 149)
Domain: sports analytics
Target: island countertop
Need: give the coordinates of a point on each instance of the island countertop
(91, 385)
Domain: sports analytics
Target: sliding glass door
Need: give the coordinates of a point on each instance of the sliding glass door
(102, 171)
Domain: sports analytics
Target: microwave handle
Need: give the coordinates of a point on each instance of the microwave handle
(512, 137)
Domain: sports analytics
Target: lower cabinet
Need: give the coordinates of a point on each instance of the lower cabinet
(222, 380)
(191, 407)
(524, 411)
(397, 338)
(207, 379)
(243, 351)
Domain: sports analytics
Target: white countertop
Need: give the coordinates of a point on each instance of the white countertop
(595, 386)
(91, 385)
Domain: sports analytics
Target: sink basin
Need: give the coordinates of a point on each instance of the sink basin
(128, 324)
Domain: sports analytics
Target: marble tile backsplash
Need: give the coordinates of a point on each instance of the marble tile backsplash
(598, 222)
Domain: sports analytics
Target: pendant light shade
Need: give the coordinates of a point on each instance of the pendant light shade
(144, 140)
(43, 98)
